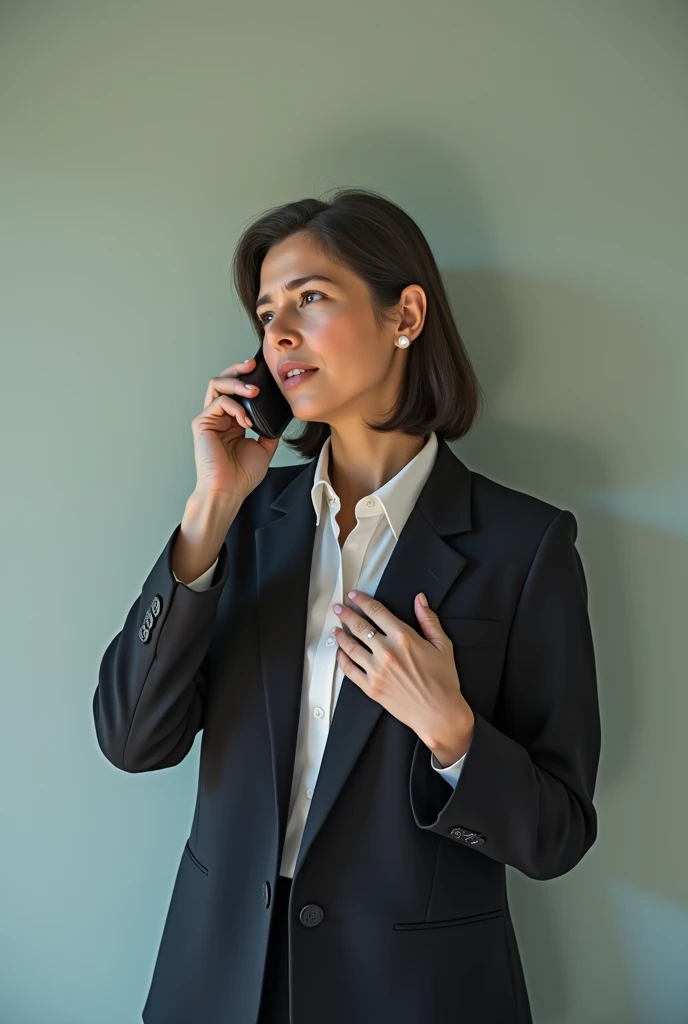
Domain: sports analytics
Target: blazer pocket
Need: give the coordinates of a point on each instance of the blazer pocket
(194, 859)
(447, 923)
(472, 632)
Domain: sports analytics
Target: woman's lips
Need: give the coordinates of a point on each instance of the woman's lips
(298, 378)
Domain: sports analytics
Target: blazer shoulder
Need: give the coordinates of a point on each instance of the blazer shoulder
(498, 506)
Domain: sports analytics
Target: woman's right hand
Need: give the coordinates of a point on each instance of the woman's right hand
(227, 462)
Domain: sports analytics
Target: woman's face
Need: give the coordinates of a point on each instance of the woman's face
(329, 324)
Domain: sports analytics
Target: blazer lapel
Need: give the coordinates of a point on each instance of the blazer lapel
(421, 560)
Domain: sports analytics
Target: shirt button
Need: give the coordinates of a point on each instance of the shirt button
(329, 641)
(309, 793)
(318, 713)
(370, 502)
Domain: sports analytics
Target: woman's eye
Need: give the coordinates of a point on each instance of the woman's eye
(262, 319)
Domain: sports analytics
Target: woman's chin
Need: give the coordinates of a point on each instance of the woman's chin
(307, 409)
(306, 416)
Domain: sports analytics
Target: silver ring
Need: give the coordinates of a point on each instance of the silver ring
(371, 634)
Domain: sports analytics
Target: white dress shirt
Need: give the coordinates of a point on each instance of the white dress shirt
(357, 565)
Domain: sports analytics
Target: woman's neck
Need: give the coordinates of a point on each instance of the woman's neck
(356, 471)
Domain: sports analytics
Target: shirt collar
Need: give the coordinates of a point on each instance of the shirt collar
(395, 498)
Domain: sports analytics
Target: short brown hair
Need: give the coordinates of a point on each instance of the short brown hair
(372, 236)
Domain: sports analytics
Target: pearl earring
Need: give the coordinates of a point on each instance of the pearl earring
(403, 341)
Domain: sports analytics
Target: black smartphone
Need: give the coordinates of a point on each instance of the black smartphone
(269, 411)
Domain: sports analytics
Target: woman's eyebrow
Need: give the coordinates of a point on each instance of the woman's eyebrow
(296, 283)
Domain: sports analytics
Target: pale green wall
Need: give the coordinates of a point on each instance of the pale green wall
(543, 150)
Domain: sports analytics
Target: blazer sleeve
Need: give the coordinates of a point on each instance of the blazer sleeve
(525, 796)
(148, 704)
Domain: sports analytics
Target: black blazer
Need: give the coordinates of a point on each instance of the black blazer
(408, 874)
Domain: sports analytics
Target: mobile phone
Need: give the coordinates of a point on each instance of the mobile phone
(269, 411)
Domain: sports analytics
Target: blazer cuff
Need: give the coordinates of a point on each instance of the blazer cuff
(452, 814)
(148, 706)
(506, 806)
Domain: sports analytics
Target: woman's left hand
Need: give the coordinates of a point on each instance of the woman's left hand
(414, 679)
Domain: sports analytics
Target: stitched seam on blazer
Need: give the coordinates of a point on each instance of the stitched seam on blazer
(510, 967)
(198, 810)
(154, 652)
(143, 686)
(434, 874)
(162, 623)
(195, 859)
(527, 576)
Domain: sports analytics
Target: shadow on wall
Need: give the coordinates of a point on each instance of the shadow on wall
(577, 371)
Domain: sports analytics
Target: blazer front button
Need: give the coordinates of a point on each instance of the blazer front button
(311, 915)
(266, 894)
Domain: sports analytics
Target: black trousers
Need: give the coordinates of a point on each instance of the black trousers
(274, 1006)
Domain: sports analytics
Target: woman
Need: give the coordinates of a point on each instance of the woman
(349, 867)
